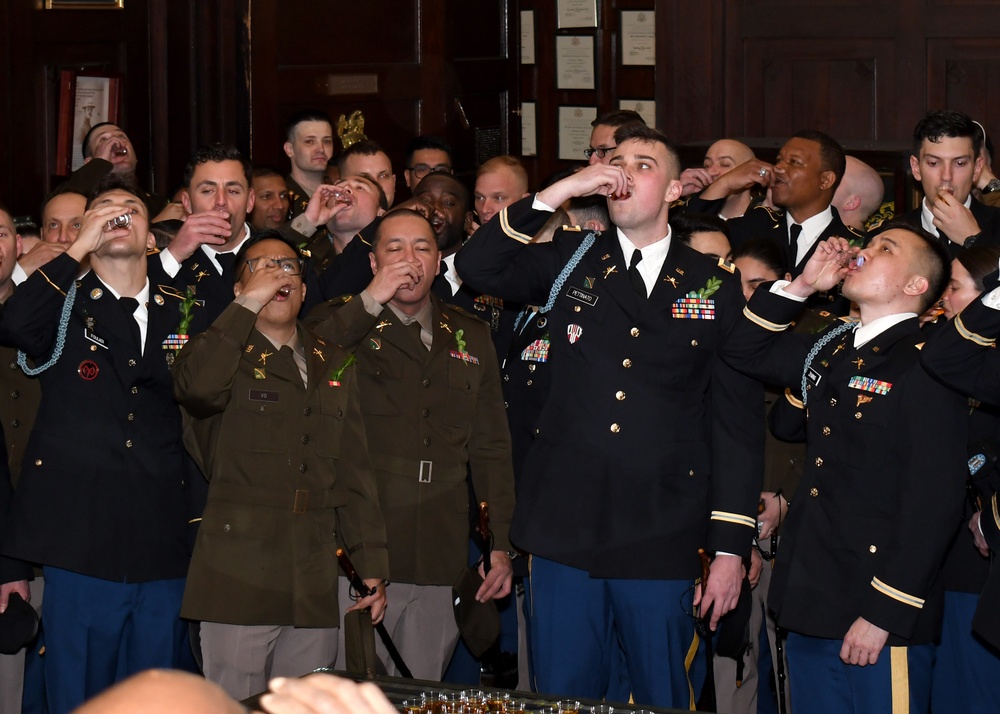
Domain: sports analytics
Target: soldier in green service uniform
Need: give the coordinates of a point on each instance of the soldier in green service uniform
(434, 414)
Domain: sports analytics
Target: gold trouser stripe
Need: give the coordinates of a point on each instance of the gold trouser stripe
(900, 673)
(688, 661)
(509, 230)
(970, 335)
(766, 324)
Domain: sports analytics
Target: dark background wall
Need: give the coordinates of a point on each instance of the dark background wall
(232, 70)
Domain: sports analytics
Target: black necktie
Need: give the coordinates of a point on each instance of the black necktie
(793, 237)
(638, 284)
(226, 262)
(129, 305)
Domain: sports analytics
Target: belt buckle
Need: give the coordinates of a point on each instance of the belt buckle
(425, 471)
(301, 501)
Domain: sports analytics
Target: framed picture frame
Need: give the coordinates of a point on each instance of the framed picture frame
(84, 4)
(85, 99)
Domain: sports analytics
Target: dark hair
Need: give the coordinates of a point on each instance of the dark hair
(111, 182)
(85, 147)
(980, 261)
(216, 153)
(419, 143)
(265, 171)
(763, 250)
(241, 255)
(589, 208)
(165, 231)
(937, 268)
(366, 147)
(685, 225)
(937, 124)
(831, 154)
(619, 117)
(304, 115)
(649, 135)
(59, 191)
(399, 213)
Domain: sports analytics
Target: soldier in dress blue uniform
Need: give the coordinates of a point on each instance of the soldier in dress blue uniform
(857, 585)
(648, 447)
(101, 503)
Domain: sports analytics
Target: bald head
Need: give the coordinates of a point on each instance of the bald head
(163, 692)
(859, 194)
(725, 155)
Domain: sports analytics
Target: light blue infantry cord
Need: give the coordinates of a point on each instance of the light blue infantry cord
(67, 309)
(820, 344)
(563, 276)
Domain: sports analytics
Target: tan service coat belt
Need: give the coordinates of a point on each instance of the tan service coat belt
(424, 471)
(298, 501)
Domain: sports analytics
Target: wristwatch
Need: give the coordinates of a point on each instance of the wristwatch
(993, 185)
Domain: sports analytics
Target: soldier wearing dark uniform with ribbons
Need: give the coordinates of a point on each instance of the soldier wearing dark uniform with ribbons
(648, 448)
(101, 502)
(857, 584)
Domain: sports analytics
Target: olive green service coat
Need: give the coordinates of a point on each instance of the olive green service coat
(433, 419)
(288, 470)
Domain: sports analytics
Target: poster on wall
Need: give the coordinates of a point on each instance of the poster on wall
(638, 37)
(574, 131)
(576, 13)
(646, 108)
(527, 37)
(85, 99)
(575, 62)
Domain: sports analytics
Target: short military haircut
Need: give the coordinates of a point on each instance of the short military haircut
(270, 234)
(85, 147)
(831, 154)
(112, 182)
(367, 147)
(649, 135)
(265, 172)
(933, 260)
(685, 225)
(506, 161)
(216, 153)
(400, 213)
(937, 124)
(619, 117)
(766, 252)
(419, 143)
(304, 115)
(589, 208)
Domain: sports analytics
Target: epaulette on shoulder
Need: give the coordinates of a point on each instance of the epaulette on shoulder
(152, 251)
(773, 214)
(727, 266)
(463, 312)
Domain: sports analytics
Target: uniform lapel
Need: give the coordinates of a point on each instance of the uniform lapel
(320, 358)
(608, 267)
(444, 330)
(670, 283)
(396, 333)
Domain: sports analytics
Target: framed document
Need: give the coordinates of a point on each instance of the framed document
(646, 108)
(575, 62)
(576, 13)
(638, 32)
(529, 136)
(85, 99)
(527, 37)
(84, 4)
(574, 131)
